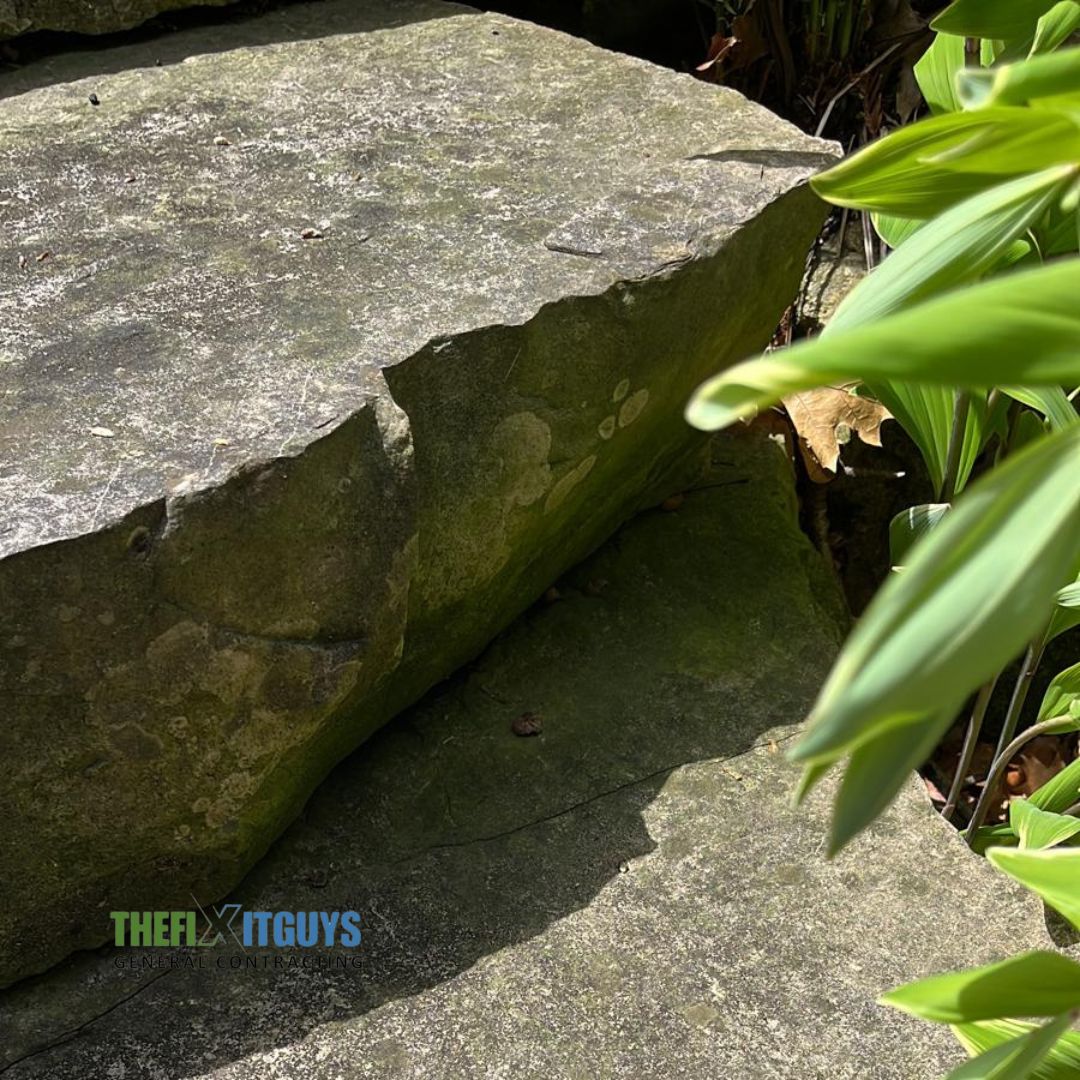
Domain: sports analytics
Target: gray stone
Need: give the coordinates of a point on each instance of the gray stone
(280, 25)
(629, 895)
(833, 274)
(83, 16)
(320, 362)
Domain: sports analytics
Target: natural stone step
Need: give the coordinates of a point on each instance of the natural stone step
(84, 16)
(319, 362)
(628, 895)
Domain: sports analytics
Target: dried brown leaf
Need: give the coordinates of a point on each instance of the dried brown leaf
(828, 418)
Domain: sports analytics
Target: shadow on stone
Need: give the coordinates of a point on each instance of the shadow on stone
(627, 894)
(684, 639)
(48, 57)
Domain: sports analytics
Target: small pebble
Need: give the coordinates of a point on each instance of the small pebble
(310, 234)
(527, 724)
(94, 99)
(103, 432)
(220, 140)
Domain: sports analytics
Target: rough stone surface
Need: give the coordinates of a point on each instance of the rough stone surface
(319, 361)
(243, 29)
(627, 896)
(833, 274)
(84, 16)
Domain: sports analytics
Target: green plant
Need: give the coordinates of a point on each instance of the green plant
(970, 334)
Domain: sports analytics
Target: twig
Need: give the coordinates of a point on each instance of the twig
(971, 739)
(1000, 763)
(853, 83)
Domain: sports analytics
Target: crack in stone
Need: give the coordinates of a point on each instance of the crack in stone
(555, 815)
(70, 1036)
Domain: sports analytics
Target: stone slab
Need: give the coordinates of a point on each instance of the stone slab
(627, 896)
(83, 16)
(319, 361)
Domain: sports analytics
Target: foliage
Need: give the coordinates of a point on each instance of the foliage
(970, 333)
(805, 57)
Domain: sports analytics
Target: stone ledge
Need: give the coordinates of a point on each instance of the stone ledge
(323, 359)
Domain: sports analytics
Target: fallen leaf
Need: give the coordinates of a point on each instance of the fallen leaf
(827, 419)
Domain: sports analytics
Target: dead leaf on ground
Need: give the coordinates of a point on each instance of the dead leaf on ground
(828, 418)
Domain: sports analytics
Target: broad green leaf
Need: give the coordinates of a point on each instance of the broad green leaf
(1060, 233)
(1069, 597)
(878, 769)
(925, 412)
(989, 836)
(1028, 428)
(1020, 328)
(1062, 694)
(1056, 26)
(1032, 984)
(1045, 76)
(973, 592)
(910, 524)
(1005, 19)
(923, 168)
(1061, 792)
(1062, 1063)
(960, 246)
(895, 230)
(1054, 875)
(1038, 829)
(1053, 139)
(936, 72)
(1067, 612)
(1051, 401)
(991, 51)
(1016, 1060)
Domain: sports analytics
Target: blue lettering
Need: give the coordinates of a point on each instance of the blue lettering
(329, 924)
(350, 925)
(284, 935)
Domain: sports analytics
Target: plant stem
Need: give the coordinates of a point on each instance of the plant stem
(1004, 750)
(813, 30)
(1000, 762)
(961, 407)
(1032, 659)
(971, 739)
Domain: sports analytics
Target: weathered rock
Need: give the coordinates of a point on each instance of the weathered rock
(84, 16)
(320, 362)
(833, 274)
(629, 895)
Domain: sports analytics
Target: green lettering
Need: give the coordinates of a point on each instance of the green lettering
(119, 919)
(141, 928)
